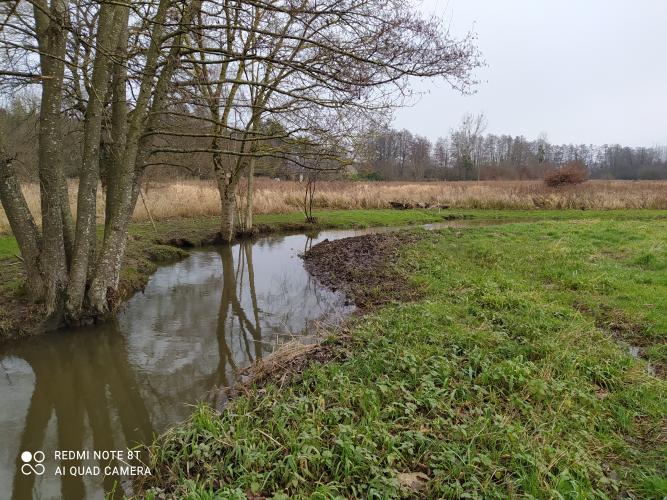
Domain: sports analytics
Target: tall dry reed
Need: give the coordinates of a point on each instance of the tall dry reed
(200, 198)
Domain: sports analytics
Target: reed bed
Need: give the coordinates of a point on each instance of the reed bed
(200, 198)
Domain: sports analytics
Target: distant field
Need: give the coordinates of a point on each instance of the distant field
(200, 198)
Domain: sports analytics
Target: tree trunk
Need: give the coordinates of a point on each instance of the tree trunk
(250, 194)
(66, 215)
(118, 205)
(227, 188)
(53, 261)
(22, 223)
(118, 111)
(227, 182)
(86, 220)
(104, 285)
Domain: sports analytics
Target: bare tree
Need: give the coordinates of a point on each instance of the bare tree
(466, 141)
(309, 196)
(318, 69)
(77, 281)
(126, 73)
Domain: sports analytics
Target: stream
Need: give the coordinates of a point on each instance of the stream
(196, 325)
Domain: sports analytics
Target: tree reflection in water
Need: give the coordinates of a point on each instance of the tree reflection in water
(84, 397)
(112, 386)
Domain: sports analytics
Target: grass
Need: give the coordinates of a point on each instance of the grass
(509, 377)
(8, 247)
(186, 199)
(341, 219)
(569, 214)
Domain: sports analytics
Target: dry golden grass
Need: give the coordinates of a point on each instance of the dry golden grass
(200, 198)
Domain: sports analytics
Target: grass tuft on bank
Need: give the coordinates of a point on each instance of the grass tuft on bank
(510, 376)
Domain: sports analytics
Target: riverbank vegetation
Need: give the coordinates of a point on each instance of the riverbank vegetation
(532, 363)
(151, 244)
(165, 240)
(170, 200)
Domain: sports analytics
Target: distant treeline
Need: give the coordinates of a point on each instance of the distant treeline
(467, 154)
(388, 154)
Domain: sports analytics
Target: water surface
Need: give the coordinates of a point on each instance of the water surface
(109, 387)
(197, 324)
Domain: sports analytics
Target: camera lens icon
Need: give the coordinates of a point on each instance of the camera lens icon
(28, 467)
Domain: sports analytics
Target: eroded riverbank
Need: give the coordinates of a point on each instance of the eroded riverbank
(364, 267)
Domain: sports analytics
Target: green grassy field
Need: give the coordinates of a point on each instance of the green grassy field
(510, 376)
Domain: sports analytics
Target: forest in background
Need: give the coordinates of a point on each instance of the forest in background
(465, 153)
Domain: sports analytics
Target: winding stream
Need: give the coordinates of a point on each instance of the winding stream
(109, 387)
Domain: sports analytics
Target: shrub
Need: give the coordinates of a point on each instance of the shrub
(573, 172)
(370, 176)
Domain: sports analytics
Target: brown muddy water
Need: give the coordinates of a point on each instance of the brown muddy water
(112, 387)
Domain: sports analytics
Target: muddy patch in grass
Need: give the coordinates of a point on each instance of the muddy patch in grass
(363, 267)
(630, 332)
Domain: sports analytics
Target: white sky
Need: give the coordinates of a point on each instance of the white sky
(583, 71)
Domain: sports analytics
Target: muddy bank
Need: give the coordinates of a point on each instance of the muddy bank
(363, 267)
(18, 314)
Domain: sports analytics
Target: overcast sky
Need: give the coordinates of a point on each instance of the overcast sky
(582, 71)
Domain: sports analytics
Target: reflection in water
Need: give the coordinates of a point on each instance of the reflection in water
(75, 397)
(110, 387)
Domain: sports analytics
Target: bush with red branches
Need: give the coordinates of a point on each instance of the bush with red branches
(573, 172)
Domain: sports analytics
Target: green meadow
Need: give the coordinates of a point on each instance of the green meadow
(532, 364)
